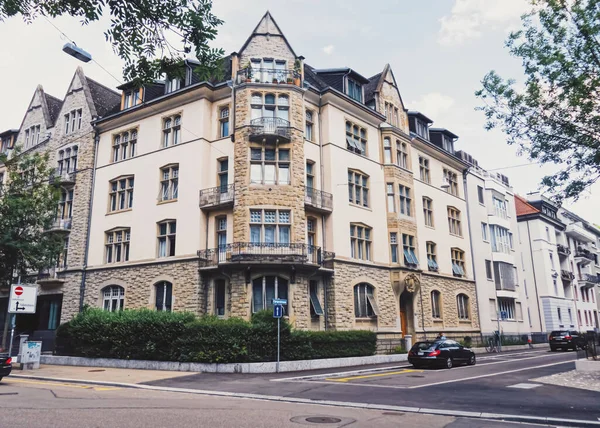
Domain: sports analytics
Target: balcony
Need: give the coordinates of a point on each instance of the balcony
(563, 250)
(583, 256)
(318, 200)
(577, 231)
(566, 276)
(247, 253)
(268, 75)
(270, 130)
(217, 197)
(49, 277)
(64, 178)
(589, 280)
(60, 225)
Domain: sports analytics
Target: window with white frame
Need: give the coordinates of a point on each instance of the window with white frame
(354, 89)
(365, 305)
(422, 129)
(428, 211)
(499, 207)
(124, 145)
(387, 150)
(507, 306)
(167, 232)
(270, 226)
(163, 296)
(224, 122)
(311, 232)
(131, 98)
(358, 188)
(269, 165)
(172, 84)
(171, 134)
(310, 176)
(268, 70)
(394, 246)
(409, 251)
(73, 121)
(113, 298)
(391, 198)
(67, 160)
(269, 107)
(484, 232)
(454, 222)
(32, 136)
(500, 239)
(223, 174)
(436, 304)
(405, 201)
(116, 247)
(121, 194)
(169, 183)
(462, 306)
(267, 288)
(401, 154)
(360, 242)
(65, 205)
(458, 262)
(309, 126)
(432, 264)
(356, 138)
(451, 178)
(424, 170)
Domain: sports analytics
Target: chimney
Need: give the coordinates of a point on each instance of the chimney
(235, 65)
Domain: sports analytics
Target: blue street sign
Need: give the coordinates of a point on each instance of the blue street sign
(280, 301)
(277, 311)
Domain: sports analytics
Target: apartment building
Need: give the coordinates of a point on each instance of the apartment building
(502, 289)
(62, 128)
(281, 181)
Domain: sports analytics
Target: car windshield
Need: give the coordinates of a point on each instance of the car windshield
(559, 333)
(423, 346)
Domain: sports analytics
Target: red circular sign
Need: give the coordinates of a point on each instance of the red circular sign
(18, 290)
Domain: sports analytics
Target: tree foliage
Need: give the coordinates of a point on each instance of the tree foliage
(555, 117)
(27, 207)
(141, 31)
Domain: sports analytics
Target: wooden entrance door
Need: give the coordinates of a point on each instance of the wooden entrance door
(405, 311)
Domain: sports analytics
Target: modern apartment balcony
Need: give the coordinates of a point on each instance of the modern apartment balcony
(583, 256)
(270, 130)
(49, 278)
(247, 254)
(217, 197)
(577, 231)
(318, 200)
(61, 225)
(64, 178)
(269, 76)
(563, 250)
(588, 280)
(566, 276)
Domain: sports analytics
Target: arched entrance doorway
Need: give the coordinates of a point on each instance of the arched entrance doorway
(406, 313)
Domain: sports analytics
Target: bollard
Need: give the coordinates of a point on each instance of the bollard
(408, 341)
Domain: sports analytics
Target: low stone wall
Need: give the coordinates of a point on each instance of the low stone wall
(387, 342)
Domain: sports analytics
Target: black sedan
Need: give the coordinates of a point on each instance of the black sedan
(566, 339)
(5, 365)
(444, 353)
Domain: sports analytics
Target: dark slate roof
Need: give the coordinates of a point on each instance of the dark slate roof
(105, 99)
(371, 87)
(54, 106)
(315, 80)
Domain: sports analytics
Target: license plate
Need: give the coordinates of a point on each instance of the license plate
(420, 353)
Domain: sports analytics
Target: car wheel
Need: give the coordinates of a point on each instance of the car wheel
(472, 360)
(449, 363)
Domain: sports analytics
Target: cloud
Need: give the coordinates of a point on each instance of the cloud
(469, 18)
(328, 49)
(433, 105)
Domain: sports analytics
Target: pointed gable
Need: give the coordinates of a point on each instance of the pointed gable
(381, 89)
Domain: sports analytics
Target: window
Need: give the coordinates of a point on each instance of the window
(221, 228)
(360, 242)
(315, 305)
(431, 257)
(121, 194)
(365, 305)
(172, 84)
(547, 234)
(166, 238)
(113, 298)
(269, 166)
(560, 315)
(462, 304)
(131, 98)
(579, 316)
(169, 183)
(422, 129)
(269, 108)
(220, 297)
(575, 293)
(552, 262)
(267, 70)
(387, 151)
(500, 239)
(454, 221)
(224, 122)
(117, 245)
(499, 207)
(164, 296)
(488, 270)
(270, 226)
(394, 246)
(67, 160)
(405, 200)
(570, 316)
(391, 114)
(72, 121)
(556, 286)
(451, 179)
(401, 154)
(505, 276)
(484, 232)
(65, 205)
(458, 262)
(447, 143)
(308, 128)
(124, 145)
(310, 175)
(311, 232)
(358, 188)
(428, 211)
(480, 194)
(171, 131)
(436, 304)
(267, 288)
(391, 198)
(506, 307)
(62, 257)
(356, 139)
(408, 247)
(223, 175)
(32, 136)
(424, 170)
(354, 90)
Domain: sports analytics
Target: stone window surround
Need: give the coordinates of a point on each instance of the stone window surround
(370, 301)
(119, 143)
(424, 171)
(167, 296)
(169, 238)
(169, 187)
(222, 119)
(223, 172)
(128, 193)
(452, 178)
(361, 137)
(309, 127)
(463, 308)
(457, 257)
(124, 245)
(226, 291)
(171, 135)
(276, 107)
(428, 212)
(34, 132)
(152, 290)
(117, 295)
(276, 226)
(287, 309)
(437, 310)
(73, 149)
(432, 264)
(364, 188)
(361, 244)
(73, 119)
(278, 163)
(454, 221)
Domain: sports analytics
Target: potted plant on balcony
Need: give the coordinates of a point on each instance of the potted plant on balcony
(289, 81)
(297, 73)
(248, 72)
(274, 80)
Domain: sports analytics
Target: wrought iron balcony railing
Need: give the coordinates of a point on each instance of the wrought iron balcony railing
(563, 250)
(270, 128)
(62, 177)
(61, 224)
(217, 196)
(565, 275)
(584, 253)
(318, 199)
(268, 75)
(249, 253)
(589, 278)
(49, 276)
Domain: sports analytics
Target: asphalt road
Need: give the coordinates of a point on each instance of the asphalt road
(494, 385)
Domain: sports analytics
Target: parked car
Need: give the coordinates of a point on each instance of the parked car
(5, 365)
(566, 339)
(444, 353)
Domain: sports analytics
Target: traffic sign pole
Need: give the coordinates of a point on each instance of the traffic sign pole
(278, 342)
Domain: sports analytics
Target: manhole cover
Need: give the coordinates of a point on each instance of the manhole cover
(323, 420)
(415, 375)
(96, 370)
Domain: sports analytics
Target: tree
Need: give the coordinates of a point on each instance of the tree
(555, 118)
(140, 31)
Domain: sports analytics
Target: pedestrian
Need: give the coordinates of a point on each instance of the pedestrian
(441, 336)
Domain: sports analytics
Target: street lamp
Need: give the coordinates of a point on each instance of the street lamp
(76, 52)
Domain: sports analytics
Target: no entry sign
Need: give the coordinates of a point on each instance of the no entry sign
(23, 299)
(18, 290)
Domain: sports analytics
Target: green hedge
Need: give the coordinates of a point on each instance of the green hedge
(177, 336)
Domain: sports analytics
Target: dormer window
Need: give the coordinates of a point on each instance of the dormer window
(422, 129)
(172, 85)
(354, 90)
(448, 144)
(131, 98)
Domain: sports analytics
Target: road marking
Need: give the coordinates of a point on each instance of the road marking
(346, 379)
(524, 385)
(69, 385)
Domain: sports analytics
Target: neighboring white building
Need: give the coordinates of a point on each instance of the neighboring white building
(502, 291)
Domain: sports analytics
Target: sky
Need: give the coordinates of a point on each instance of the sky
(439, 51)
